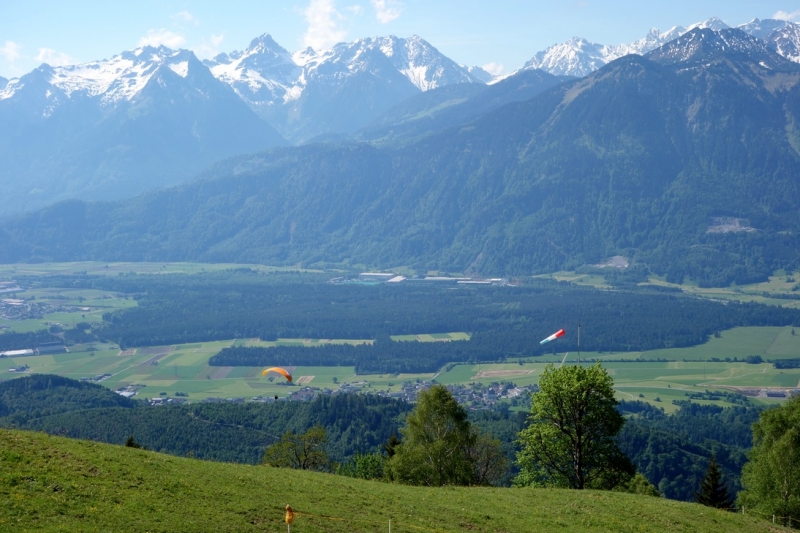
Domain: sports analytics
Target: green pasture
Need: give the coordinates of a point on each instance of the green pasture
(591, 280)
(70, 306)
(311, 343)
(65, 485)
(779, 284)
(768, 342)
(433, 337)
(184, 368)
(658, 382)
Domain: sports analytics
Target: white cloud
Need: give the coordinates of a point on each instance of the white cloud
(385, 10)
(53, 58)
(783, 15)
(495, 69)
(10, 51)
(208, 48)
(324, 25)
(185, 16)
(162, 36)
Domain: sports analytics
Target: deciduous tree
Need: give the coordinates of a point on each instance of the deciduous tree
(435, 441)
(305, 451)
(771, 477)
(570, 440)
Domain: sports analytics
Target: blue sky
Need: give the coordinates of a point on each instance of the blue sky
(500, 33)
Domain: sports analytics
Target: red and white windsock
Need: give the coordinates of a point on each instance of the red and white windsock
(554, 336)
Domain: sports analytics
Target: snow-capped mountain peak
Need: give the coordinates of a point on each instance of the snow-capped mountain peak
(705, 44)
(265, 75)
(578, 57)
(115, 79)
(762, 28)
(711, 24)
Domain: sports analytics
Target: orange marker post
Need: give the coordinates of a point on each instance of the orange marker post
(289, 518)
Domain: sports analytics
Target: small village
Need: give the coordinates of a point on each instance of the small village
(475, 396)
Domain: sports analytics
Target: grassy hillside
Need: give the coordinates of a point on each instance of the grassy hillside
(51, 483)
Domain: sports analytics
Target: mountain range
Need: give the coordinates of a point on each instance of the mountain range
(579, 57)
(685, 161)
(154, 117)
(338, 90)
(112, 129)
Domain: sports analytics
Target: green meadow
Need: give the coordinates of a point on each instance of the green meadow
(57, 484)
(778, 290)
(66, 307)
(433, 337)
(185, 369)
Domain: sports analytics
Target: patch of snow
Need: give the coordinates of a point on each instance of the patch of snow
(181, 69)
(10, 88)
(118, 78)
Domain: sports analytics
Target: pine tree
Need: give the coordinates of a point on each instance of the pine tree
(713, 492)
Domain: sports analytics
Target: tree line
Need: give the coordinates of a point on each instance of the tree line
(504, 321)
(671, 451)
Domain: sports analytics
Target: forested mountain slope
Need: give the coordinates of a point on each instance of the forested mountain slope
(686, 161)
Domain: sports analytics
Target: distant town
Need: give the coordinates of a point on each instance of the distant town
(390, 277)
(475, 396)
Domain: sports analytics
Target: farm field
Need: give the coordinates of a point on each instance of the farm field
(778, 290)
(433, 337)
(184, 368)
(66, 307)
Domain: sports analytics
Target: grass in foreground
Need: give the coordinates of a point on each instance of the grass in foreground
(56, 484)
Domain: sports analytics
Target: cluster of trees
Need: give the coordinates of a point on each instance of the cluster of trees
(575, 436)
(439, 446)
(43, 395)
(503, 321)
(786, 363)
(381, 357)
(771, 477)
(221, 432)
(21, 341)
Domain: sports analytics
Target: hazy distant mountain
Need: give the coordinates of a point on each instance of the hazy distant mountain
(310, 93)
(455, 105)
(761, 29)
(113, 128)
(153, 117)
(685, 160)
(579, 57)
(702, 45)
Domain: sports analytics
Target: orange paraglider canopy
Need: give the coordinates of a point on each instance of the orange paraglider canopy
(279, 370)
